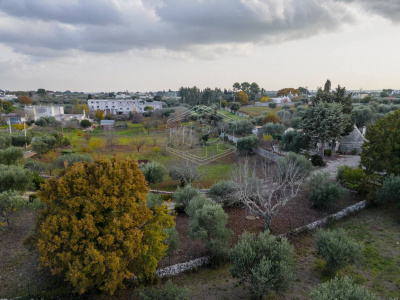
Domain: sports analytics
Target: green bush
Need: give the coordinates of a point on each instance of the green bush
(153, 171)
(5, 141)
(169, 291)
(263, 262)
(153, 200)
(19, 139)
(185, 194)
(14, 178)
(70, 159)
(337, 248)
(35, 166)
(272, 105)
(317, 161)
(327, 152)
(208, 223)
(273, 129)
(354, 179)
(341, 288)
(37, 180)
(293, 141)
(65, 142)
(197, 203)
(295, 123)
(247, 144)
(85, 123)
(322, 191)
(390, 190)
(10, 202)
(43, 144)
(11, 155)
(222, 193)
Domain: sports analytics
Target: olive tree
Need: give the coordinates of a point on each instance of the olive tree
(264, 188)
(154, 172)
(263, 262)
(341, 288)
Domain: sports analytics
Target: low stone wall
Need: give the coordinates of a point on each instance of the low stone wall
(170, 193)
(335, 217)
(266, 154)
(182, 267)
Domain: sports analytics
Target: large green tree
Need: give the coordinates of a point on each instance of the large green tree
(96, 229)
(381, 151)
(323, 122)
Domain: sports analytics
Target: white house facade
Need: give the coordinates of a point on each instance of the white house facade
(36, 112)
(121, 107)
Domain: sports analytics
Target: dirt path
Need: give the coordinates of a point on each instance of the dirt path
(333, 164)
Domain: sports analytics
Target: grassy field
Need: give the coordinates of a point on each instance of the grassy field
(256, 111)
(230, 115)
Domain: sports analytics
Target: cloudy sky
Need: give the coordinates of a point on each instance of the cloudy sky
(141, 45)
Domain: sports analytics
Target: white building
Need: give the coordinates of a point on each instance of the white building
(121, 107)
(36, 112)
(8, 97)
(395, 92)
(279, 100)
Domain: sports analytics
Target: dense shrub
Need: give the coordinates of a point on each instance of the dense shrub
(317, 161)
(271, 118)
(154, 172)
(10, 202)
(295, 123)
(41, 122)
(242, 127)
(35, 166)
(185, 194)
(337, 248)
(208, 223)
(272, 105)
(169, 291)
(153, 200)
(293, 141)
(284, 114)
(70, 159)
(341, 288)
(222, 193)
(263, 262)
(354, 179)
(273, 129)
(390, 190)
(65, 142)
(197, 203)
(11, 155)
(19, 139)
(247, 144)
(85, 123)
(322, 191)
(13, 178)
(37, 180)
(43, 144)
(5, 141)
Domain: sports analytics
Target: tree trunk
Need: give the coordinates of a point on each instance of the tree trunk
(267, 222)
(322, 149)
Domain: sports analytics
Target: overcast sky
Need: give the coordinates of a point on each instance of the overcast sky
(143, 45)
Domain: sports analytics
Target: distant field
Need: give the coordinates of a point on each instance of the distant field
(256, 111)
(229, 114)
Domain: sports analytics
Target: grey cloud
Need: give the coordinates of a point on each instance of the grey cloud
(389, 9)
(172, 25)
(68, 12)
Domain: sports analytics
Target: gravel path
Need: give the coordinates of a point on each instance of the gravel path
(342, 160)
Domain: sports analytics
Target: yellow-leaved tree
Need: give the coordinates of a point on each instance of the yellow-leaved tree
(96, 229)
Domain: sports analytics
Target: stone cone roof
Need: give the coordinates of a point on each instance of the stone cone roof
(355, 137)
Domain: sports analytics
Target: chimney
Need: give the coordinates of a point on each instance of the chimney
(364, 130)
